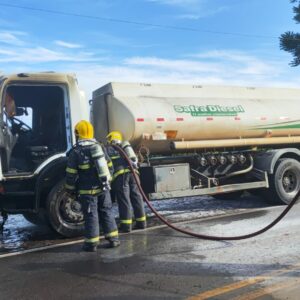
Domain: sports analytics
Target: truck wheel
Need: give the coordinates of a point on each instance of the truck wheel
(39, 218)
(64, 212)
(285, 182)
(229, 196)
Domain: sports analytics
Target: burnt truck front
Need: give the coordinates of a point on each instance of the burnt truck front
(38, 112)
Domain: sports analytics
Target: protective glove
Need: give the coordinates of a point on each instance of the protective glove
(105, 185)
(135, 164)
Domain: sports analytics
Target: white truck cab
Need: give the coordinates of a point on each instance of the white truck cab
(37, 116)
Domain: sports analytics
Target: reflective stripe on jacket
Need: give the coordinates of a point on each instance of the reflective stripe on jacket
(120, 165)
(81, 173)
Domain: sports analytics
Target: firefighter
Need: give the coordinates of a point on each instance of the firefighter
(124, 185)
(88, 175)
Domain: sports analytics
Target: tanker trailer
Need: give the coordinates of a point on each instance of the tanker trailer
(206, 140)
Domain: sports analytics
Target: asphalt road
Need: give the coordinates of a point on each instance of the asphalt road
(21, 235)
(160, 263)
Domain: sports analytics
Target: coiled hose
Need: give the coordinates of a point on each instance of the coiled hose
(198, 235)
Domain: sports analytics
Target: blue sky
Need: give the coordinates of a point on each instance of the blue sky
(231, 42)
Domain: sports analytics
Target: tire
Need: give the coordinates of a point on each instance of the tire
(285, 182)
(39, 218)
(64, 212)
(229, 196)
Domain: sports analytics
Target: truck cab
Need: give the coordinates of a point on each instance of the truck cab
(37, 116)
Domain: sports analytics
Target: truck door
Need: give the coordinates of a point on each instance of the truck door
(7, 139)
(1, 120)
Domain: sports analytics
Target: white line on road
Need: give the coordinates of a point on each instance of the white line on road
(147, 229)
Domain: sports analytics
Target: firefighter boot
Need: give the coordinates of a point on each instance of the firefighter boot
(89, 247)
(140, 225)
(125, 228)
(113, 243)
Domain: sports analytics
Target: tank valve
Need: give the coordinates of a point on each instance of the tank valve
(242, 159)
(215, 181)
(222, 160)
(203, 161)
(213, 160)
(233, 159)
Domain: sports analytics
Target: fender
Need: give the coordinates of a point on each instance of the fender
(266, 161)
(48, 177)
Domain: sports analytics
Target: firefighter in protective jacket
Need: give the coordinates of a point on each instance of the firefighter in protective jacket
(124, 185)
(88, 175)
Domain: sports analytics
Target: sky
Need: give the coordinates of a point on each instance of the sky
(224, 42)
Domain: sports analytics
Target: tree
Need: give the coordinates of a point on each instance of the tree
(290, 41)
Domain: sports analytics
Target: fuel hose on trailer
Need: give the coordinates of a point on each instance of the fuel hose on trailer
(198, 235)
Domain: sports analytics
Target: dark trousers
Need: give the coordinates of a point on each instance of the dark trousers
(128, 195)
(97, 210)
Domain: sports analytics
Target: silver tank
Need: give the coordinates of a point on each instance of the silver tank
(154, 115)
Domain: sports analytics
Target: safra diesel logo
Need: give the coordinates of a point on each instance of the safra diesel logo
(209, 110)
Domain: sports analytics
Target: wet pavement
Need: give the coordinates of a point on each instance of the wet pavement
(160, 263)
(19, 234)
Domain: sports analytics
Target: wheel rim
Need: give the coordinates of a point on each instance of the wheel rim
(69, 210)
(290, 181)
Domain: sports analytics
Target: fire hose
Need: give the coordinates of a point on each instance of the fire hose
(198, 235)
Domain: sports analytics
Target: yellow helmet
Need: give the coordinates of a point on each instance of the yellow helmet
(84, 130)
(114, 137)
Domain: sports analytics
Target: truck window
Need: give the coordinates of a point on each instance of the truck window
(9, 105)
(26, 117)
(1, 81)
(35, 115)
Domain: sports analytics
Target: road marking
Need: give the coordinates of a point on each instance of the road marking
(240, 284)
(269, 289)
(74, 242)
(227, 288)
(202, 219)
(41, 248)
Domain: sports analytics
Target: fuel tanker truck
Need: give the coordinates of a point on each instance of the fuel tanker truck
(190, 139)
(206, 140)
